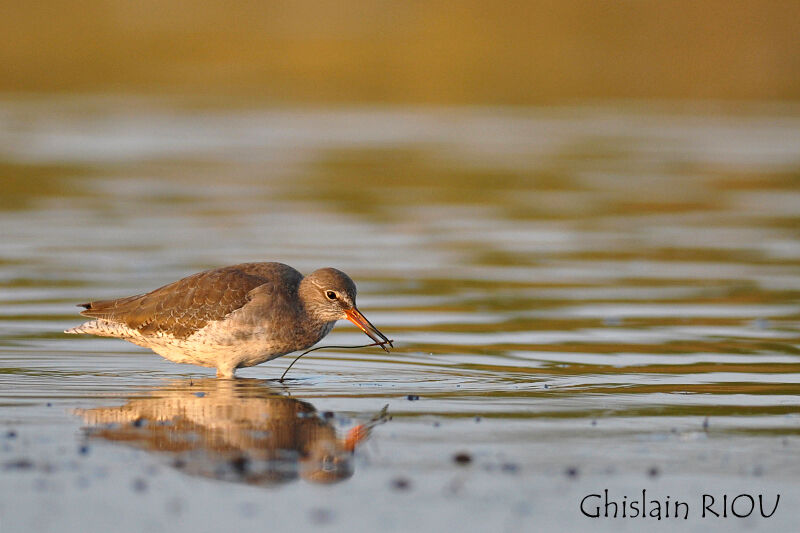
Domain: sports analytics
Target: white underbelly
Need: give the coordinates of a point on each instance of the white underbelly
(217, 345)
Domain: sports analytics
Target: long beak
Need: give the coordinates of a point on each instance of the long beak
(355, 316)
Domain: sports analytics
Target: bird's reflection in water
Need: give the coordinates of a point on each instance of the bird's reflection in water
(237, 430)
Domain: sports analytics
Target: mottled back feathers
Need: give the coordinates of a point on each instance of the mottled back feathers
(187, 305)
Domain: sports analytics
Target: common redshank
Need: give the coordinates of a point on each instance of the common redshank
(234, 316)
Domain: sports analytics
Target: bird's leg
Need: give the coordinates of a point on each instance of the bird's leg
(226, 371)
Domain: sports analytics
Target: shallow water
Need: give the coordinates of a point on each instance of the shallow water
(582, 298)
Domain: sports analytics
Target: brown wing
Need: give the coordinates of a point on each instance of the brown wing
(183, 307)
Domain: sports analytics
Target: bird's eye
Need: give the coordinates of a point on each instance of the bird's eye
(331, 295)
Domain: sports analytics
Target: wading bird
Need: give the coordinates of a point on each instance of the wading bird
(234, 316)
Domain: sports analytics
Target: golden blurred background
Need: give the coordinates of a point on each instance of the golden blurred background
(463, 52)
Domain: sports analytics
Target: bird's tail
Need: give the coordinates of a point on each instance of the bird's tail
(103, 328)
(77, 330)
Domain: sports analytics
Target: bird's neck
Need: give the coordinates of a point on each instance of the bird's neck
(315, 319)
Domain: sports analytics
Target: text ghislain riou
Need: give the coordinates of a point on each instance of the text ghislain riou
(601, 505)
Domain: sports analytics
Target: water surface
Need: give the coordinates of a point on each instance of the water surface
(583, 298)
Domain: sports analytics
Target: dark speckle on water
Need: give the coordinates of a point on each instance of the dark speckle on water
(653, 471)
(327, 415)
(139, 485)
(18, 464)
(11, 434)
(510, 468)
(83, 449)
(139, 422)
(412, 397)
(401, 483)
(320, 515)
(571, 472)
(462, 458)
(199, 394)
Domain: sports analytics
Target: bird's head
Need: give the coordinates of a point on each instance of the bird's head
(329, 295)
